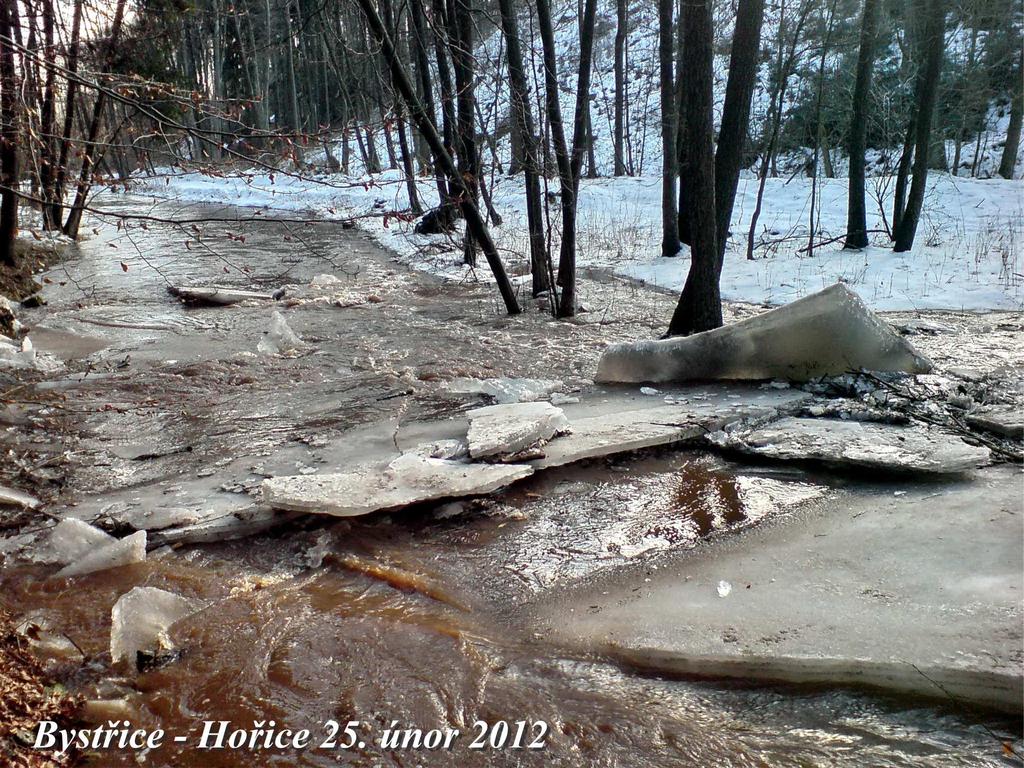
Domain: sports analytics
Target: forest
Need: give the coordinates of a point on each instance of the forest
(457, 99)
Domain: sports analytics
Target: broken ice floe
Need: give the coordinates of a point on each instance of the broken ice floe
(506, 390)
(16, 498)
(219, 295)
(409, 479)
(280, 338)
(120, 552)
(82, 548)
(140, 620)
(859, 444)
(503, 430)
(827, 333)
(1004, 420)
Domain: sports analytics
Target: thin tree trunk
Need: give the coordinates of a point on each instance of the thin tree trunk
(926, 97)
(622, 20)
(856, 213)
(57, 208)
(700, 304)
(669, 163)
(90, 151)
(474, 221)
(9, 130)
(523, 115)
(732, 137)
(1008, 162)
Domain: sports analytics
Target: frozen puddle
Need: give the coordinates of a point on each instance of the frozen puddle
(917, 592)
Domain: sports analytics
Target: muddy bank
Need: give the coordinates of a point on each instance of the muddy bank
(416, 615)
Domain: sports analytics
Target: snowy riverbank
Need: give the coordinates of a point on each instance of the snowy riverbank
(967, 255)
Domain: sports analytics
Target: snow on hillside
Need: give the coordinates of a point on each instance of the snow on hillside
(967, 255)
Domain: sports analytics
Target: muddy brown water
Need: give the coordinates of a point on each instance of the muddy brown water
(419, 617)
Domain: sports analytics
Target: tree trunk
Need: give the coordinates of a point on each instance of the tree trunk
(927, 88)
(700, 305)
(732, 137)
(71, 65)
(540, 262)
(91, 150)
(568, 164)
(856, 213)
(9, 130)
(1008, 162)
(472, 215)
(460, 43)
(669, 163)
(419, 47)
(620, 86)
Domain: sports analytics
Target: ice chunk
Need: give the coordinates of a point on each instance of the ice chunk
(507, 390)
(324, 281)
(280, 339)
(1005, 420)
(18, 355)
(140, 620)
(860, 444)
(724, 588)
(18, 498)
(130, 549)
(72, 539)
(218, 295)
(824, 334)
(409, 479)
(512, 427)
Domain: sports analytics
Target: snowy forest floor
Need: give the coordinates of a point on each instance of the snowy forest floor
(967, 255)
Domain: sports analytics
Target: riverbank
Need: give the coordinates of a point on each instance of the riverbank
(173, 409)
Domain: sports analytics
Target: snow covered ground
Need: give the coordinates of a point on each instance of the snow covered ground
(967, 254)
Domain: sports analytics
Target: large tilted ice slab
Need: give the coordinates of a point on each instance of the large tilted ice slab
(859, 444)
(409, 479)
(917, 593)
(824, 334)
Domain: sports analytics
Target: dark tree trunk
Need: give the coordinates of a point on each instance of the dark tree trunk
(1008, 162)
(622, 20)
(419, 47)
(700, 305)
(732, 137)
(71, 65)
(91, 150)
(856, 214)
(568, 163)
(926, 92)
(460, 41)
(9, 121)
(540, 263)
(669, 164)
(474, 221)
(682, 155)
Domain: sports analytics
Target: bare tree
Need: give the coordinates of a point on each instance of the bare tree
(621, 31)
(474, 221)
(856, 214)
(569, 163)
(670, 160)
(925, 96)
(700, 305)
(540, 262)
(1008, 162)
(9, 129)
